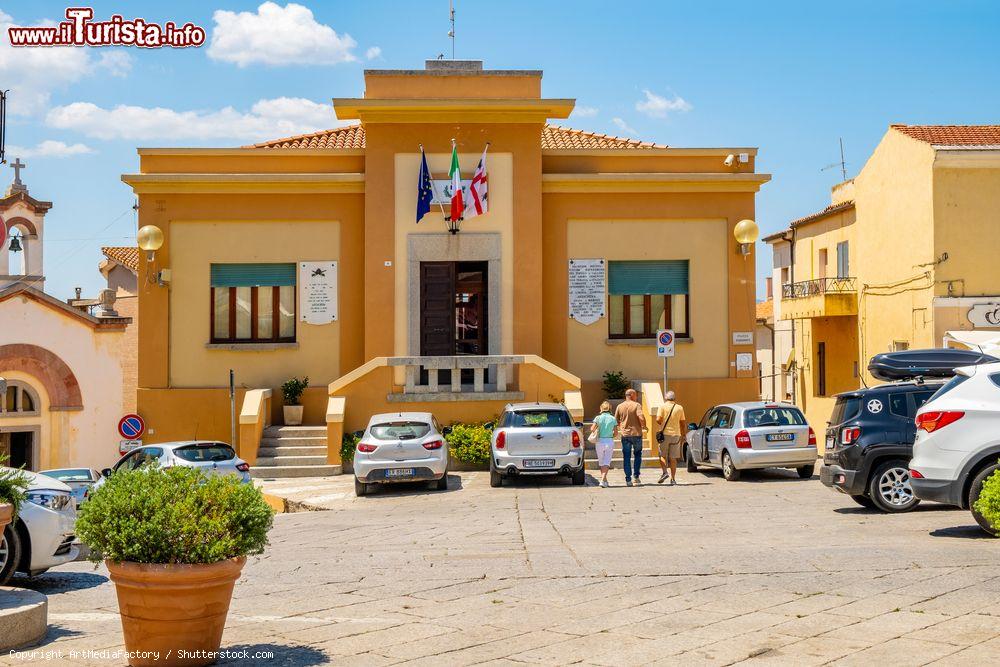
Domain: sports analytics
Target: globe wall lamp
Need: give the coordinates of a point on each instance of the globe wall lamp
(746, 233)
(150, 239)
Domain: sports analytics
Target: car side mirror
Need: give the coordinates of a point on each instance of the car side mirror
(106, 472)
(446, 430)
(489, 426)
(578, 424)
(692, 426)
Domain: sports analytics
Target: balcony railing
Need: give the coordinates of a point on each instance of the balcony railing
(434, 375)
(819, 286)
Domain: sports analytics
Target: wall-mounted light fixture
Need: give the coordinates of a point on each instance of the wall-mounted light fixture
(746, 233)
(150, 239)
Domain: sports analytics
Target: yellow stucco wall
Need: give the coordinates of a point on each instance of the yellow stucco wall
(966, 201)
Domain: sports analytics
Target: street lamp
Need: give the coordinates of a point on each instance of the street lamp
(746, 233)
(150, 238)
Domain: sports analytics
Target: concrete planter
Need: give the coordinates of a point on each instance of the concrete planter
(23, 617)
(293, 414)
(167, 609)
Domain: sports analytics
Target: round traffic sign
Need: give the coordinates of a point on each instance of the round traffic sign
(131, 427)
(666, 338)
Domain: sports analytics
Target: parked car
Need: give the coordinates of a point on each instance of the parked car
(214, 458)
(401, 447)
(42, 535)
(536, 439)
(80, 480)
(869, 441)
(958, 442)
(741, 436)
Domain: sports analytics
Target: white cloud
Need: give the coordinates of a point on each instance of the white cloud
(276, 35)
(657, 106)
(624, 127)
(32, 74)
(50, 148)
(267, 119)
(373, 52)
(582, 111)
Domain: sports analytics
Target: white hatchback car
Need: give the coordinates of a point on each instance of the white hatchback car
(401, 447)
(958, 439)
(42, 535)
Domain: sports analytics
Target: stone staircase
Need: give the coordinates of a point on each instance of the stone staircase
(617, 461)
(293, 451)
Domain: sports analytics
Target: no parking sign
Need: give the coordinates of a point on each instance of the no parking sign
(131, 427)
(665, 342)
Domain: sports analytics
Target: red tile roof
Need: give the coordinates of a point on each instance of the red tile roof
(832, 208)
(126, 256)
(553, 137)
(953, 135)
(765, 309)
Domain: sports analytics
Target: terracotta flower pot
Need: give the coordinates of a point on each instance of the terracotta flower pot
(293, 414)
(167, 609)
(6, 515)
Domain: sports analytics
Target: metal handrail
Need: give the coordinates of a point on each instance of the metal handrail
(819, 286)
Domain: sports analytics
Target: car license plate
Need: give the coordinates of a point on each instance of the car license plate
(539, 463)
(780, 437)
(399, 472)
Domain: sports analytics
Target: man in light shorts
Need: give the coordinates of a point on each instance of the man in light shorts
(604, 429)
(672, 422)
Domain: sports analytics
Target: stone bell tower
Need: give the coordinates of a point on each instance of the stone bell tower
(23, 219)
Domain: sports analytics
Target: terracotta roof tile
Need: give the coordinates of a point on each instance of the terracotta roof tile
(832, 208)
(553, 137)
(765, 309)
(126, 256)
(953, 135)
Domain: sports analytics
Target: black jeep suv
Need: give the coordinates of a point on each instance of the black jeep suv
(869, 439)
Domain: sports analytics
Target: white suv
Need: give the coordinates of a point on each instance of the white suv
(958, 439)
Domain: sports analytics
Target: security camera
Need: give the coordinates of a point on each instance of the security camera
(730, 159)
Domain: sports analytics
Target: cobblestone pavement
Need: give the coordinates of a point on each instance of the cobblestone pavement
(769, 570)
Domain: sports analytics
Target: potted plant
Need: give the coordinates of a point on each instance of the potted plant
(292, 392)
(175, 541)
(13, 486)
(614, 386)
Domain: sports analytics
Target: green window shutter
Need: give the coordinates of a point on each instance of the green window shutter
(668, 276)
(253, 275)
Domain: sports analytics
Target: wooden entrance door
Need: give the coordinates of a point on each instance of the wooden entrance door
(453, 309)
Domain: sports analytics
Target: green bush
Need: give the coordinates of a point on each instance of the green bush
(292, 390)
(13, 485)
(470, 443)
(989, 500)
(615, 383)
(173, 515)
(348, 445)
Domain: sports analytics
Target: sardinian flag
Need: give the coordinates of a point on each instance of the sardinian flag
(478, 200)
(457, 195)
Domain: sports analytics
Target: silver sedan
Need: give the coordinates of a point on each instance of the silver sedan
(740, 436)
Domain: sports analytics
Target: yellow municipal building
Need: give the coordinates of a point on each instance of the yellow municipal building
(303, 257)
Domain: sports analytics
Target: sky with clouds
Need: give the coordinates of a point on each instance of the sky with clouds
(784, 76)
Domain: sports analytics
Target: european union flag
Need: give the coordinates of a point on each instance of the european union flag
(425, 189)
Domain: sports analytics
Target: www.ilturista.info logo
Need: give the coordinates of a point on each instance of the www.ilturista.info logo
(80, 30)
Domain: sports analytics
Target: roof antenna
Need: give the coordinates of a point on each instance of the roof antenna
(3, 124)
(451, 33)
(842, 164)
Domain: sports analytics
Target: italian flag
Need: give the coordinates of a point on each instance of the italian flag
(457, 200)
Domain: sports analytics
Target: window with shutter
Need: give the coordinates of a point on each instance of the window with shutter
(253, 303)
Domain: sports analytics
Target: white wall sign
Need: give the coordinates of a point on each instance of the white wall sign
(317, 292)
(586, 290)
(742, 338)
(744, 361)
(985, 315)
(441, 195)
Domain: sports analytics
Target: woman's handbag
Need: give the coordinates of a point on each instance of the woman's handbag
(592, 438)
(659, 434)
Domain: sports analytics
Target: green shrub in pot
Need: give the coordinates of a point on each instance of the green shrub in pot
(469, 443)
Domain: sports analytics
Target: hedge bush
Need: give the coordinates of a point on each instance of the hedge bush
(988, 503)
(470, 443)
(173, 515)
(615, 384)
(13, 485)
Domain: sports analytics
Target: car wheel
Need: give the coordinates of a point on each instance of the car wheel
(579, 477)
(10, 553)
(864, 501)
(691, 465)
(729, 470)
(442, 484)
(889, 487)
(805, 472)
(974, 490)
(360, 488)
(496, 479)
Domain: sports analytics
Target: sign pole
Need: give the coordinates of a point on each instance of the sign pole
(232, 408)
(664, 375)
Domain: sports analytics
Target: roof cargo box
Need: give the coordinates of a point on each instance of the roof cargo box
(908, 364)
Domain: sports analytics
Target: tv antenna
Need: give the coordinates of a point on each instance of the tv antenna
(451, 33)
(842, 164)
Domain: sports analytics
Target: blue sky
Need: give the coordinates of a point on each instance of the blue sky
(788, 77)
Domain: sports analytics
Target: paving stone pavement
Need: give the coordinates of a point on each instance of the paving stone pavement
(771, 570)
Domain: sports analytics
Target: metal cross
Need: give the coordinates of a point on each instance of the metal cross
(17, 166)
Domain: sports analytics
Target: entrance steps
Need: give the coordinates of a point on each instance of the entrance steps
(617, 460)
(293, 451)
